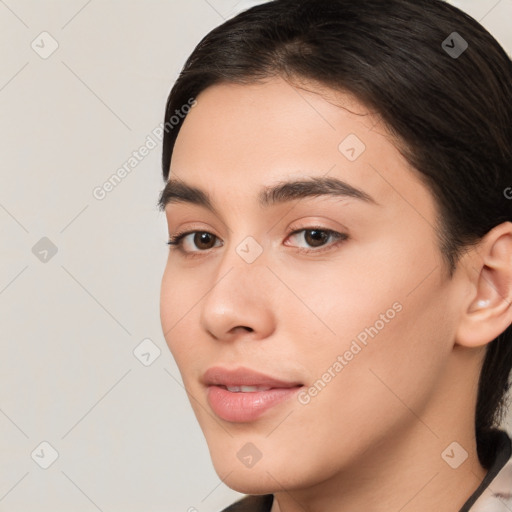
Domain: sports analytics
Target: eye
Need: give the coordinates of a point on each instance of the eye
(185, 242)
(317, 237)
(316, 240)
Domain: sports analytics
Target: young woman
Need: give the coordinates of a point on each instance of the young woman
(338, 289)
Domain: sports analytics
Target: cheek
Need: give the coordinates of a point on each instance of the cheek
(331, 302)
(377, 390)
(182, 294)
(177, 299)
(384, 314)
(393, 354)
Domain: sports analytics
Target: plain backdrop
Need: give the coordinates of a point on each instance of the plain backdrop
(92, 412)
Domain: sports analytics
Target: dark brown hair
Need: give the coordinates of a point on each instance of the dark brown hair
(451, 114)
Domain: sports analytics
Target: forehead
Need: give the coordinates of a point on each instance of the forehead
(253, 135)
(272, 121)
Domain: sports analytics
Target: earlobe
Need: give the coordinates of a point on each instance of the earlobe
(489, 311)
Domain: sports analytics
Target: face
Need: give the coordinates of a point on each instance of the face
(298, 315)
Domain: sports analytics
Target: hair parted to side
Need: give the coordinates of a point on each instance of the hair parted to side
(452, 117)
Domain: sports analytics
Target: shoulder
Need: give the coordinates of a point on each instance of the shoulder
(252, 504)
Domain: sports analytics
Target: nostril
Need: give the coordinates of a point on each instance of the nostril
(240, 328)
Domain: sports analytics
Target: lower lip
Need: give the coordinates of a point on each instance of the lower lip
(245, 407)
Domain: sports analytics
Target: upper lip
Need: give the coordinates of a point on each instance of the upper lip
(218, 376)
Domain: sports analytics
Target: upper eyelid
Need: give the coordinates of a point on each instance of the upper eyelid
(187, 232)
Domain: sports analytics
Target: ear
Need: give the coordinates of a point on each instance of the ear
(488, 310)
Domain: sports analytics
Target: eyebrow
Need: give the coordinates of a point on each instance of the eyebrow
(177, 191)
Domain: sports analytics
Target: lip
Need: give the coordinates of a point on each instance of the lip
(243, 407)
(219, 376)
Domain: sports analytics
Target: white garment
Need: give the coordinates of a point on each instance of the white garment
(497, 497)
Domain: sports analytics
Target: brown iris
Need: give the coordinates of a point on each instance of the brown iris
(204, 238)
(316, 237)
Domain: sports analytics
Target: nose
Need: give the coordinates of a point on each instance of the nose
(239, 302)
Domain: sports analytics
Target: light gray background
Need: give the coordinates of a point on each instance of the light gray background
(125, 434)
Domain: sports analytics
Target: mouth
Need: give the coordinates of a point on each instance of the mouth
(243, 395)
(245, 389)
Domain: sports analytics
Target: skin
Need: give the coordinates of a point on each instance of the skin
(372, 439)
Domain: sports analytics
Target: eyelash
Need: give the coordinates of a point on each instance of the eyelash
(176, 241)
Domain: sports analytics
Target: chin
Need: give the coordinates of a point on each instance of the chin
(251, 484)
(243, 468)
(266, 475)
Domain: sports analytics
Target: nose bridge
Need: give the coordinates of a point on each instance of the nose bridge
(239, 294)
(242, 269)
(243, 255)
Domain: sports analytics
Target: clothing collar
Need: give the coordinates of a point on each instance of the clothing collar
(494, 492)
